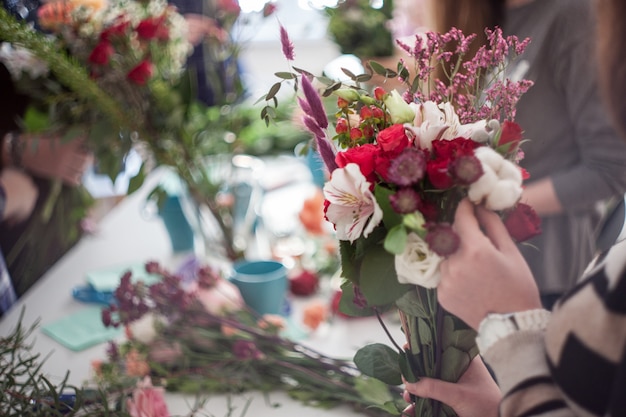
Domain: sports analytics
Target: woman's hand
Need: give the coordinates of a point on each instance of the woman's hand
(475, 394)
(21, 195)
(487, 274)
(50, 157)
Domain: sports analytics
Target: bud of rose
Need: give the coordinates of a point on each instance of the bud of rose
(366, 113)
(342, 126)
(522, 222)
(399, 109)
(141, 73)
(101, 54)
(379, 93)
(348, 94)
(356, 133)
(511, 133)
(153, 28)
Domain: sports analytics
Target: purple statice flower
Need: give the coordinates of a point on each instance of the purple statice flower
(442, 239)
(407, 168)
(286, 44)
(466, 169)
(405, 201)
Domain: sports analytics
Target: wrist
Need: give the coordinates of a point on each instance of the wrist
(495, 327)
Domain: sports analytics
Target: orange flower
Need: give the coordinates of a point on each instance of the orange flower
(55, 14)
(312, 213)
(96, 365)
(136, 365)
(314, 314)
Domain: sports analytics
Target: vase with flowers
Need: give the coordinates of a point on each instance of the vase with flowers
(399, 165)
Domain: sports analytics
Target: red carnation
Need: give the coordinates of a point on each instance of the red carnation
(305, 283)
(141, 73)
(101, 53)
(522, 222)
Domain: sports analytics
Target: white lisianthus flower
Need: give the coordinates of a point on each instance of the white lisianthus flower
(400, 110)
(418, 265)
(500, 186)
(144, 329)
(353, 208)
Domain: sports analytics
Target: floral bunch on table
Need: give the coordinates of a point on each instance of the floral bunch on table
(399, 164)
(193, 332)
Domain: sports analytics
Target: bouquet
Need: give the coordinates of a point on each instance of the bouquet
(193, 331)
(399, 165)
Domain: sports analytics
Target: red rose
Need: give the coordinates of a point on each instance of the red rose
(153, 28)
(304, 284)
(141, 73)
(511, 134)
(439, 173)
(364, 156)
(393, 139)
(101, 53)
(522, 222)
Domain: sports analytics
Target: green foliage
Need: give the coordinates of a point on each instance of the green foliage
(360, 29)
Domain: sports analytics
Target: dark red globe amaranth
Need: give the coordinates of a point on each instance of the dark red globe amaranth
(405, 201)
(466, 169)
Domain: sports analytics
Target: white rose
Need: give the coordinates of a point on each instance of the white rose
(418, 265)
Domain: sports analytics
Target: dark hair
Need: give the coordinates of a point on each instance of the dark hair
(611, 38)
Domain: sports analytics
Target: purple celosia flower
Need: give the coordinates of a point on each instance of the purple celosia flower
(466, 169)
(405, 201)
(286, 44)
(442, 239)
(408, 167)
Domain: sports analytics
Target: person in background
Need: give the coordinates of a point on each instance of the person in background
(18, 195)
(43, 158)
(574, 156)
(569, 362)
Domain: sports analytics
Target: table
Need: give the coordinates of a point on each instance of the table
(125, 236)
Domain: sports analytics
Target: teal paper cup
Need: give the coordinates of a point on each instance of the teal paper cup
(262, 283)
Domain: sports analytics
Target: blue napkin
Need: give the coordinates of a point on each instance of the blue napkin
(81, 330)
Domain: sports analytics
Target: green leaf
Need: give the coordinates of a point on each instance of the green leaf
(453, 363)
(395, 241)
(390, 217)
(424, 332)
(136, 182)
(347, 305)
(411, 305)
(374, 390)
(378, 280)
(409, 366)
(379, 361)
(35, 121)
(286, 75)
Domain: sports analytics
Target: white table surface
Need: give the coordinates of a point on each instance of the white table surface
(126, 237)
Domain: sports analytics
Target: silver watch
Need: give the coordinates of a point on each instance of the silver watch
(498, 326)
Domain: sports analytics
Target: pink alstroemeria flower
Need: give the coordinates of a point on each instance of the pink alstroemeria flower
(352, 206)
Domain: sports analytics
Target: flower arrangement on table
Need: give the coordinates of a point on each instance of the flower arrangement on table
(399, 165)
(193, 332)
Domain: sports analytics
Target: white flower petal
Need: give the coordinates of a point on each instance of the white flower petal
(418, 265)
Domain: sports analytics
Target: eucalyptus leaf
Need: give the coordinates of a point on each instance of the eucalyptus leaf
(453, 363)
(379, 361)
(395, 242)
(409, 367)
(375, 391)
(411, 305)
(424, 331)
(347, 305)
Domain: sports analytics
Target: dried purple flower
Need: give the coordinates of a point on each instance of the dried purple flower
(405, 201)
(408, 167)
(286, 44)
(315, 102)
(466, 169)
(442, 239)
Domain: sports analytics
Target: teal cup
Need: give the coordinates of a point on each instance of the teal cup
(263, 285)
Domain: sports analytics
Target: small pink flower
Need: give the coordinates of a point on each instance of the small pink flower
(147, 401)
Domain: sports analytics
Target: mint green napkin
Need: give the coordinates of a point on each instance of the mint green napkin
(107, 280)
(81, 330)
